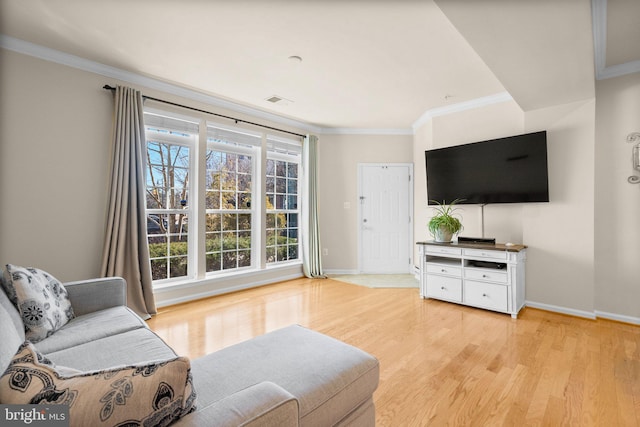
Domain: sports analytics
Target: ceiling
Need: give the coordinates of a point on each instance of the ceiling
(365, 64)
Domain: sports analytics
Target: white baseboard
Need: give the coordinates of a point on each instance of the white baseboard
(586, 314)
(618, 317)
(562, 310)
(339, 272)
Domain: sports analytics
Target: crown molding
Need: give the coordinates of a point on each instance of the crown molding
(52, 55)
(599, 25)
(461, 106)
(366, 131)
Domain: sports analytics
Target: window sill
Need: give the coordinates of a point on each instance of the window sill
(188, 290)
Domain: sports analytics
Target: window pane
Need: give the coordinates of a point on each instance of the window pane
(244, 182)
(271, 254)
(282, 213)
(229, 260)
(212, 242)
(244, 200)
(167, 177)
(292, 170)
(229, 240)
(292, 202)
(244, 258)
(159, 269)
(244, 164)
(293, 220)
(244, 221)
(178, 266)
(271, 167)
(212, 200)
(244, 240)
(213, 222)
(214, 262)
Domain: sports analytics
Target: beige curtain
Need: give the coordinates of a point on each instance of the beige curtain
(126, 250)
(311, 248)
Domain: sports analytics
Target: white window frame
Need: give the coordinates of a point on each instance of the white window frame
(198, 144)
(191, 143)
(255, 154)
(287, 150)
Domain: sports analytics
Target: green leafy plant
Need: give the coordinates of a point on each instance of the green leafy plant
(444, 220)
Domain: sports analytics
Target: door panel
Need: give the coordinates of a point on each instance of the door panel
(385, 222)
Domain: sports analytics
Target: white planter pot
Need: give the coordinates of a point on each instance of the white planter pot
(443, 235)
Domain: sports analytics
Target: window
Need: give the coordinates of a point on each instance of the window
(229, 191)
(282, 201)
(206, 208)
(168, 171)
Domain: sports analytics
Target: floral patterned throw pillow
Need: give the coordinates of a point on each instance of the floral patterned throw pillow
(154, 394)
(40, 298)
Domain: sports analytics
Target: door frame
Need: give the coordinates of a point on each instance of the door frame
(410, 239)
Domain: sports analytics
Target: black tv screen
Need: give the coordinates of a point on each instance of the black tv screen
(504, 170)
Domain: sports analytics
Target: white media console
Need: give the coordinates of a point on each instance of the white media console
(489, 276)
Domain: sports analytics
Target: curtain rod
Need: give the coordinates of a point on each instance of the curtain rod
(111, 88)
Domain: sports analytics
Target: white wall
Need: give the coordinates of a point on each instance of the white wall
(339, 156)
(560, 260)
(617, 203)
(55, 132)
(494, 121)
(55, 155)
(560, 234)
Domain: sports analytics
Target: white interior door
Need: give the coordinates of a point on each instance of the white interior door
(385, 218)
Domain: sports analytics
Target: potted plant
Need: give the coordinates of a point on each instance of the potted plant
(444, 224)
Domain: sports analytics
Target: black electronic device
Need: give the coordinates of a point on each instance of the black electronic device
(487, 264)
(503, 170)
(481, 240)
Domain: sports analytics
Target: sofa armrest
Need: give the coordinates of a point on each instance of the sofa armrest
(262, 404)
(87, 296)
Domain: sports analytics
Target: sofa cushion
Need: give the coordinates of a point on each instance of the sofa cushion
(92, 326)
(40, 298)
(128, 348)
(328, 377)
(150, 394)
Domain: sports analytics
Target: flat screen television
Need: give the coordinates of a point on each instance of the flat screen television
(503, 170)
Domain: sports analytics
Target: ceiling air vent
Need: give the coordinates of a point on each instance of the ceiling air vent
(275, 99)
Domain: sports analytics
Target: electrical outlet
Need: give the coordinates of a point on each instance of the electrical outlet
(325, 252)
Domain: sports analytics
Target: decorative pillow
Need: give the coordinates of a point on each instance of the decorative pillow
(155, 394)
(40, 298)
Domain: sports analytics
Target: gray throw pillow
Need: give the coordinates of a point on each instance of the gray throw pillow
(40, 298)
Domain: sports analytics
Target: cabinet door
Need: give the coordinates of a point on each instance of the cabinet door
(486, 274)
(485, 254)
(444, 269)
(486, 295)
(442, 287)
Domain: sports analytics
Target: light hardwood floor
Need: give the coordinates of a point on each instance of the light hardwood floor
(440, 363)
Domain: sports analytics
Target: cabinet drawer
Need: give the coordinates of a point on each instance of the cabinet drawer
(447, 270)
(443, 250)
(486, 274)
(487, 295)
(442, 287)
(486, 254)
